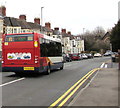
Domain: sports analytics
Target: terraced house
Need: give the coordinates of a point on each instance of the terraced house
(71, 44)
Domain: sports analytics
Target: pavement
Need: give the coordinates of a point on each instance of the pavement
(102, 90)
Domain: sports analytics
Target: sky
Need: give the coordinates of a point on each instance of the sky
(76, 16)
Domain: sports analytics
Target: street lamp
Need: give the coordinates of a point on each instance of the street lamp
(41, 18)
(83, 30)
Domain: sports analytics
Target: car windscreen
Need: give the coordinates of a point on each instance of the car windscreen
(75, 55)
(19, 38)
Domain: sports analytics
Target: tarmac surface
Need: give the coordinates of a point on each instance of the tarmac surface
(102, 90)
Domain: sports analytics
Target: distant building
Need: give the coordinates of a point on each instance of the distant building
(71, 44)
(77, 45)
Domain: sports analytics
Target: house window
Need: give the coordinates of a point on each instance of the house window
(19, 31)
(23, 31)
(15, 30)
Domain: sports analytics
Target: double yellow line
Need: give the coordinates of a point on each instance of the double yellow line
(66, 96)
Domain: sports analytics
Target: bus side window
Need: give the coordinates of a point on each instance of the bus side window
(41, 40)
(43, 48)
(58, 49)
(50, 48)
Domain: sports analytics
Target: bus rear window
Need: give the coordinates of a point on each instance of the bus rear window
(19, 38)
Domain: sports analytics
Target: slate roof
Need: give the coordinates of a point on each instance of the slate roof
(15, 22)
(34, 25)
(10, 21)
(67, 35)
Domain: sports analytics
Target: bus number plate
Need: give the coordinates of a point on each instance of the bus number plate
(28, 68)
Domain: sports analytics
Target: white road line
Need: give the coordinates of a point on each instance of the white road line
(105, 65)
(12, 82)
(102, 65)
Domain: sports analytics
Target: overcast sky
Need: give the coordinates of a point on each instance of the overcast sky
(74, 15)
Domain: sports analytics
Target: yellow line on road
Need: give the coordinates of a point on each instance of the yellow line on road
(69, 90)
(73, 92)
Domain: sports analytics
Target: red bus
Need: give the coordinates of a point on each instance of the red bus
(31, 52)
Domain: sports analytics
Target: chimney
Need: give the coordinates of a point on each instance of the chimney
(56, 28)
(2, 10)
(48, 25)
(37, 20)
(22, 17)
(63, 30)
(69, 33)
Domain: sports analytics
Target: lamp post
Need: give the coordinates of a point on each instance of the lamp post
(41, 18)
(83, 33)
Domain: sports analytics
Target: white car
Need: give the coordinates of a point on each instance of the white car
(84, 56)
(97, 55)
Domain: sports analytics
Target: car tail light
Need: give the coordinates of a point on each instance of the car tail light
(36, 59)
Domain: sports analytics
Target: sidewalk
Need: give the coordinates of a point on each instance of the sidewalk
(102, 91)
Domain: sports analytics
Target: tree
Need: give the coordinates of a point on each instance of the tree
(115, 37)
(94, 42)
(98, 32)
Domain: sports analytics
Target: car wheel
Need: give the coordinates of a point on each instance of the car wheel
(61, 67)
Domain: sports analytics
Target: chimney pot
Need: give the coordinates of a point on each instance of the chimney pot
(63, 30)
(22, 17)
(69, 32)
(56, 28)
(37, 20)
(48, 25)
(2, 10)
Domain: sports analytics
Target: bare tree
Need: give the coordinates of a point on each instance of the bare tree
(98, 31)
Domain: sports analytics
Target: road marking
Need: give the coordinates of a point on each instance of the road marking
(106, 65)
(102, 65)
(11, 82)
(73, 89)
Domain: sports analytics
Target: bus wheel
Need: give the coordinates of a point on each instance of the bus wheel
(48, 70)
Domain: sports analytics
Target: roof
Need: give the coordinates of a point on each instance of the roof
(67, 35)
(15, 22)
(34, 25)
(9, 21)
(106, 35)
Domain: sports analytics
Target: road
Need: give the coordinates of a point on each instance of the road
(43, 90)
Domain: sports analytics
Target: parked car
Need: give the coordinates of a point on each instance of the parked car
(114, 56)
(84, 56)
(66, 58)
(97, 55)
(81, 57)
(89, 55)
(108, 53)
(75, 56)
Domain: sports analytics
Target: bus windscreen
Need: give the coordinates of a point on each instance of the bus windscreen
(19, 38)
